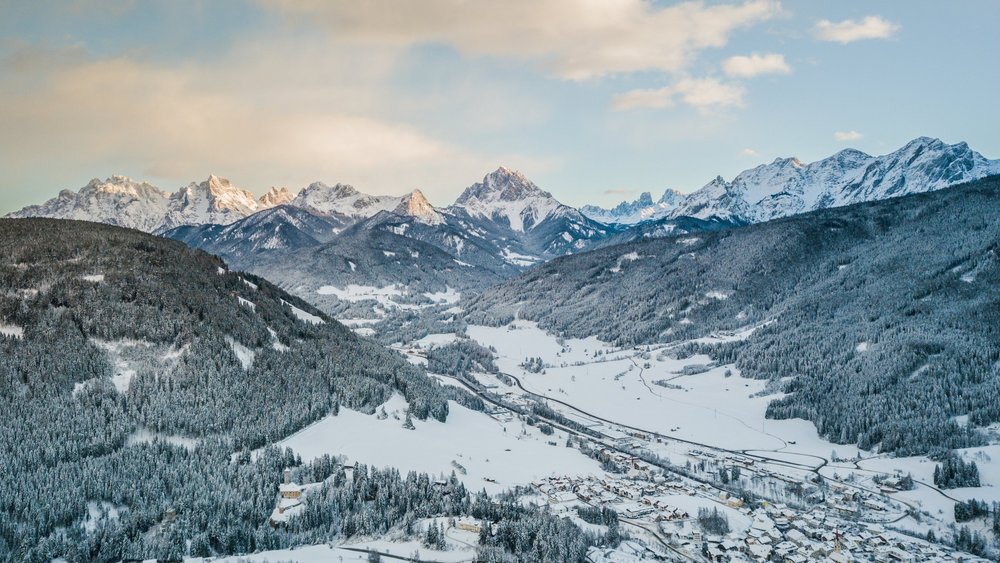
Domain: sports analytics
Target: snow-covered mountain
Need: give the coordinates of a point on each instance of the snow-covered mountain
(117, 200)
(633, 212)
(529, 224)
(415, 205)
(275, 197)
(215, 201)
(788, 187)
(125, 202)
(284, 227)
(344, 199)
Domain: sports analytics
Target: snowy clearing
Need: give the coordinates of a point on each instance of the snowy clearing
(303, 315)
(495, 455)
(12, 330)
(245, 355)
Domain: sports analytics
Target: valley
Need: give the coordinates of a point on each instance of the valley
(624, 393)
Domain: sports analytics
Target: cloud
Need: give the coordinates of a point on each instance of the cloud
(700, 93)
(847, 31)
(618, 191)
(749, 153)
(847, 135)
(755, 65)
(173, 123)
(573, 39)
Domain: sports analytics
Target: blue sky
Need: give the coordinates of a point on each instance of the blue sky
(594, 100)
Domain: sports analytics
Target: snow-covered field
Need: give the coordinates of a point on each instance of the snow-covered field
(707, 407)
(495, 455)
(325, 554)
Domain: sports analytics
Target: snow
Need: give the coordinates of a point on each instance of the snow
(276, 342)
(788, 186)
(471, 439)
(389, 254)
(249, 283)
(93, 278)
(708, 407)
(517, 259)
(432, 340)
(345, 200)
(124, 372)
(630, 257)
(354, 292)
(146, 436)
(12, 330)
(247, 303)
(861, 347)
(448, 296)
(245, 355)
(324, 553)
(97, 511)
(303, 315)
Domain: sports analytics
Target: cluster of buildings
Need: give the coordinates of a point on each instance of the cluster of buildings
(779, 533)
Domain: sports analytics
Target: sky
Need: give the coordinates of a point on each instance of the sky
(596, 101)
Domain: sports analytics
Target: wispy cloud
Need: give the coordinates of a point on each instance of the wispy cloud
(180, 122)
(748, 66)
(573, 39)
(847, 31)
(749, 153)
(847, 135)
(618, 191)
(700, 93)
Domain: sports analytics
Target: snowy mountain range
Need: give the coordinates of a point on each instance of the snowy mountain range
(634, 212)
(788, 186)
(506, 221)
(122, 201)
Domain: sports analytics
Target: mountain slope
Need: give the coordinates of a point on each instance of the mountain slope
(280, 228)
(883, 313)
(369, 257)
(136, 370)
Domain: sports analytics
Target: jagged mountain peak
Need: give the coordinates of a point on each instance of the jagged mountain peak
(641, 209)
(343, 199)
(275, 197)
(415, 205)
(503, 184)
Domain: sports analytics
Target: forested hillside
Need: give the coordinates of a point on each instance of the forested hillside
(884, 315)
(133, 368)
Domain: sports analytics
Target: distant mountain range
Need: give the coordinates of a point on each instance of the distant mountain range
(501, 225)
(788, 187)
